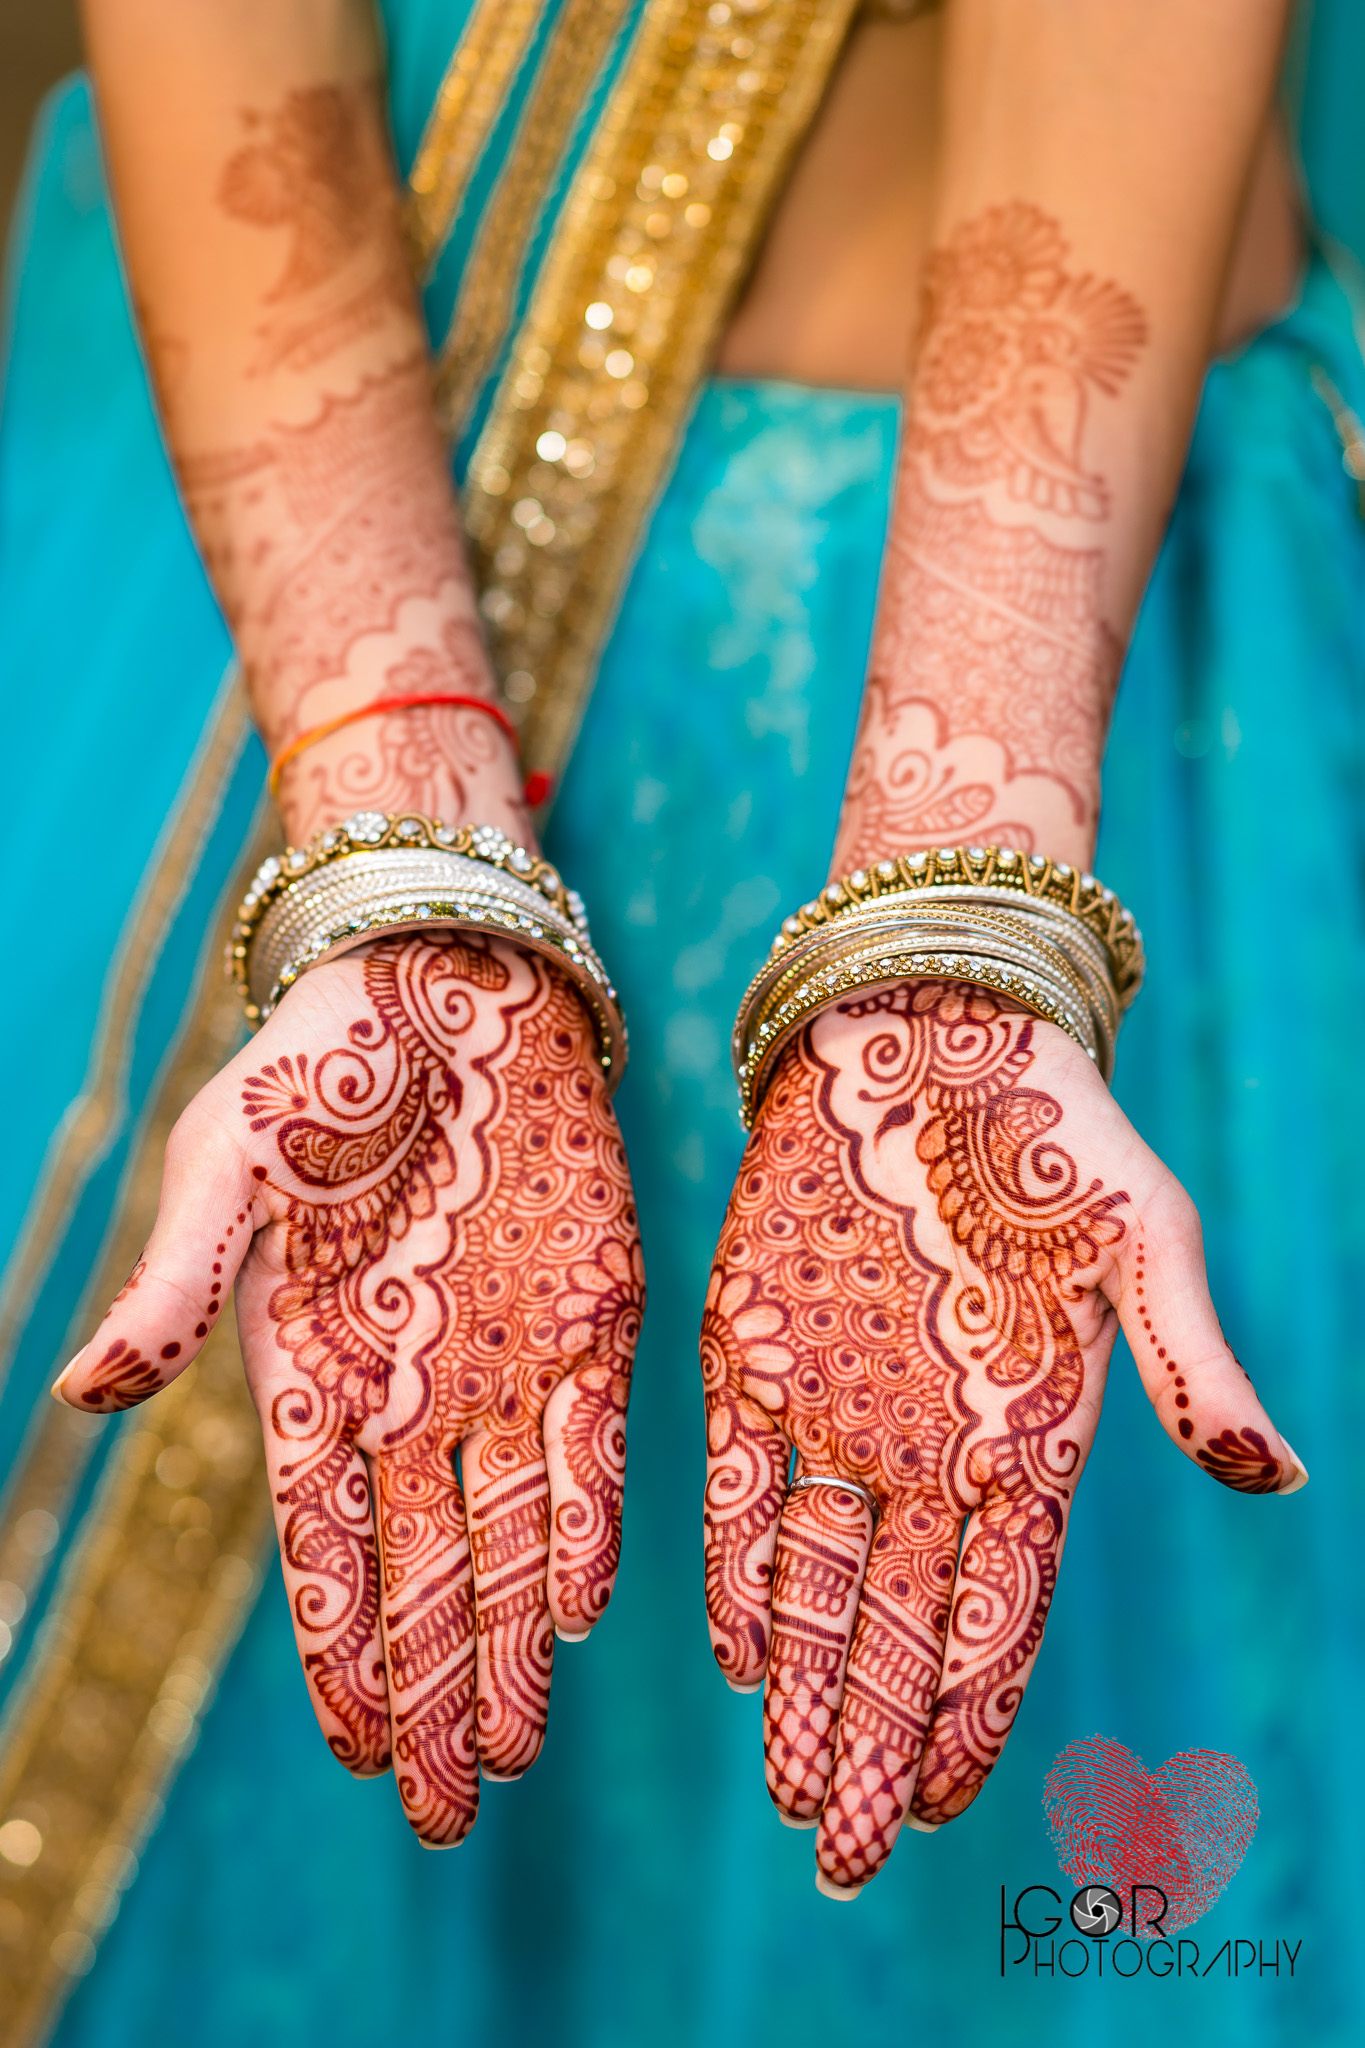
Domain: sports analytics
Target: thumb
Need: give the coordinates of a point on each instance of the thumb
(158, 1322)
(1202, 1395)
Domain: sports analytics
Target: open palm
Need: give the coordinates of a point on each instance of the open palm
(416, 1180)
(940, 1222)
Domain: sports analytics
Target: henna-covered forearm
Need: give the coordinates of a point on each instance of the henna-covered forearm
(994, 664)
(1089, 201)
(262, 232)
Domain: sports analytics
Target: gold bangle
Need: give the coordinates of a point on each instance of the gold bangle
(382, 875)
(1053, 939)
(987, 867)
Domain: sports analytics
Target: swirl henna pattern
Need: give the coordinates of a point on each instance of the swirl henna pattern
(445, 1263)
(912, 1290)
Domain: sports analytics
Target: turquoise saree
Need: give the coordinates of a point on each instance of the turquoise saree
(635, 1887)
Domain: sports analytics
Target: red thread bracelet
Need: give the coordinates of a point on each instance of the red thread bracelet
(538, 784)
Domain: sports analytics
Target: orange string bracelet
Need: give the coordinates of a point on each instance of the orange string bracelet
(538, 784)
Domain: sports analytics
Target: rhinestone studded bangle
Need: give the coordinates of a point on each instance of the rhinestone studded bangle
(378, 876)
(1053, 939)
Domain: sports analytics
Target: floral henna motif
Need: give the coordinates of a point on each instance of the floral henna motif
(926, 1349)
(329, 525)
(994, 665)
(321, 536)
(458, 1241)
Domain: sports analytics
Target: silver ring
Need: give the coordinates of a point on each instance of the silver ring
(832, 1479)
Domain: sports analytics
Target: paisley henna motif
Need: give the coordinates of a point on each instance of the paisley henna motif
(926, 1349)
(458, 1241)
(439, 1291)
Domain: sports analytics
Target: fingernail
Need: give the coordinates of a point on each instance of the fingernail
(499, 1777)
(1300, 1477)
(70, 1366)
(435, 1847)
(757, 1686)
(844, 1893)
(923, 1827)
(792, 1820)
(565, 1637)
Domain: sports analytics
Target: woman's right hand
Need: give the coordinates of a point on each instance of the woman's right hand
(415, 1178)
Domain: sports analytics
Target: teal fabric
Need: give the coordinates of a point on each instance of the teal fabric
(635, 1887)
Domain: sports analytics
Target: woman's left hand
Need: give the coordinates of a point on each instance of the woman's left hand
(940, 1222)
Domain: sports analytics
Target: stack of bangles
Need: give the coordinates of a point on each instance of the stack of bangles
(1038, 931)
(379, 875)
(1052, 939)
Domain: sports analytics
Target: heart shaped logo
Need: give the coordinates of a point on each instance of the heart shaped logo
(1185, 1827)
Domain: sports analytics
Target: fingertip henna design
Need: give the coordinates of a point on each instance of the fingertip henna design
(121, 1378)
(1241, 1459)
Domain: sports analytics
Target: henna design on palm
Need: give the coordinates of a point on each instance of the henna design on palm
(446, 1263)
(913, 1289)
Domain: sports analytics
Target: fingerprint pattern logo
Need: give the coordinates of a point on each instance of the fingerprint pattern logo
(1184, 1827)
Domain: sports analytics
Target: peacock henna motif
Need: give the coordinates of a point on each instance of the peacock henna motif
(994, 665)
(925, 1347)
(317, 165)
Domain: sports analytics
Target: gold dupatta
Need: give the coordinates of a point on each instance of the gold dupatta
(585, 361)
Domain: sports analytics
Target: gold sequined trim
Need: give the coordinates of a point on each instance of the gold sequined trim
(483, 309)
(496, 39)
(656, 235)
(148, 1607)
(897, 10)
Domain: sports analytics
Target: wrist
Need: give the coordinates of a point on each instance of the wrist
(914, 786)
(455, 763)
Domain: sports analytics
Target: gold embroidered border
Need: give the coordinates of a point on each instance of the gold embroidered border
(483, 310)
(147, 1610)
(91, 1119)
(494, 44)
(656, 235)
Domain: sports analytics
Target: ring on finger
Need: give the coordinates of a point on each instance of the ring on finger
(832, 1479)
